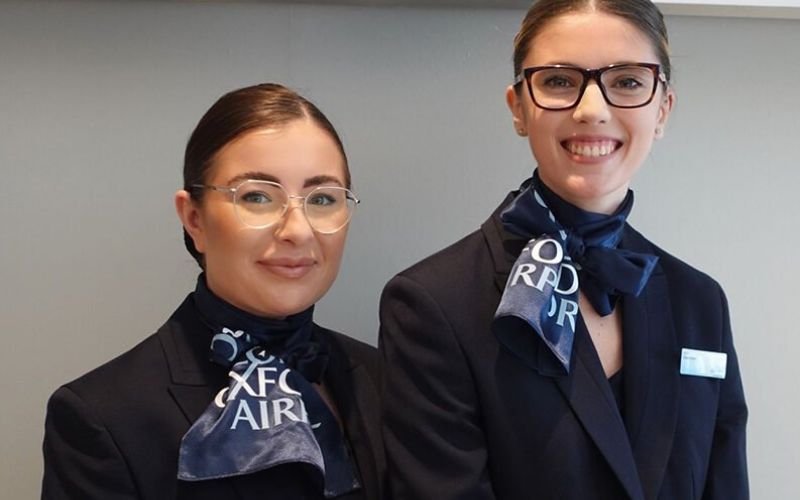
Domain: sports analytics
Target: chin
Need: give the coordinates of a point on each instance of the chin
(289, 304)
(591, 195)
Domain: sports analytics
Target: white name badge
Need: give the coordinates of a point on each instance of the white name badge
(703, 363)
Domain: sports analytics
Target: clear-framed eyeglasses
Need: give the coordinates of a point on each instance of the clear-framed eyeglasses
(558, 87)
(261, 204)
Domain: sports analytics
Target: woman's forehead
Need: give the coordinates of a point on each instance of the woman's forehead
(293, 153)
(589, 39)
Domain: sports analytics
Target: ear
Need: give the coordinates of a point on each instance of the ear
(514, 103)
(664, 110)
(191, 218)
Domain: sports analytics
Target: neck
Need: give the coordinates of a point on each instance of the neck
(596, 205)
(235, 316)
(605, 204)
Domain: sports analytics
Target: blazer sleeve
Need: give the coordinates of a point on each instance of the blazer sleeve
(81, 460)
(434, 442)
(727, 473)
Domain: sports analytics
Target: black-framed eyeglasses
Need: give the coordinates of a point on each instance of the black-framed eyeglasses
(260, 204)
(558, 87)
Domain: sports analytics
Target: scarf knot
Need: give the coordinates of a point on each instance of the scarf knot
(269, 414)
(576, 247)
(569, 249)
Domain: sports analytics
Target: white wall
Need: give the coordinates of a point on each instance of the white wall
(97, 100)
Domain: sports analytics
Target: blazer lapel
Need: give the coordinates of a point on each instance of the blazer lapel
(356, 398)
(652, 380)
(186, 340)
(589, 394)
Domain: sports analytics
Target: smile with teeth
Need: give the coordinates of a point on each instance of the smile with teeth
(593, 149)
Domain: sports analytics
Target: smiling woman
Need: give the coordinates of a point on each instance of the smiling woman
(563, 364)
(239, 394)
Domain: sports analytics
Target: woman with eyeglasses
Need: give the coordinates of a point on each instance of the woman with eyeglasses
(239, 394)
(556, 352)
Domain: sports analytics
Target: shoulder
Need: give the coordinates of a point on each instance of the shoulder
(92, 420)
(461, 250)
(137, 381)
(447, 299)
(89, 411)
(693, 294)
(119, 426)
(128, 371)
(468, 266)
(457, 266)
(678, 272)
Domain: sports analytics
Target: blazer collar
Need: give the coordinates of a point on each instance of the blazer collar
(504, 247)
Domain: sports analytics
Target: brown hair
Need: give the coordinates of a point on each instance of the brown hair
(641, 13)
(267, 105)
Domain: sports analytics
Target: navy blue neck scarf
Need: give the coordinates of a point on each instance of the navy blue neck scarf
(568, 249)
(269, 414)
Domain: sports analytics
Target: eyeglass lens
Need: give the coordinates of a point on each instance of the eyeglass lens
(625, 86)
(263, 203)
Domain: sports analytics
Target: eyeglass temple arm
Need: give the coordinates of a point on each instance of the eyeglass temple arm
(221, 189)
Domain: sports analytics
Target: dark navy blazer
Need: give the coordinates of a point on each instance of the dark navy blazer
(465, 418)
(115, 432)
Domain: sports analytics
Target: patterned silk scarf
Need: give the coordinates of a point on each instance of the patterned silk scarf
(269, 414)
(568, 249)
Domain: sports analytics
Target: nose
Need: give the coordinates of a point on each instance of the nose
(592, 107)
(294, 225)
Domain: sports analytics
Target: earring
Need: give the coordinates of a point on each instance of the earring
(658, 131)
(521, 131)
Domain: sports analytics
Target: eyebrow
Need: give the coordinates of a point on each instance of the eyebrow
(255, 176)
(573, 65)
(316, 180)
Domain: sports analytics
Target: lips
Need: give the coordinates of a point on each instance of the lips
(288, 267)
(591, 148)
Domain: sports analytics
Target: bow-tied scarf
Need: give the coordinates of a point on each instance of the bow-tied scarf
(569, 249)
(269, 414)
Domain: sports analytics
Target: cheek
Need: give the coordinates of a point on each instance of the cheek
(544, 147)
(230, 242)
(542, 129)
(643, 132)
(646, 123)
(333, 248)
